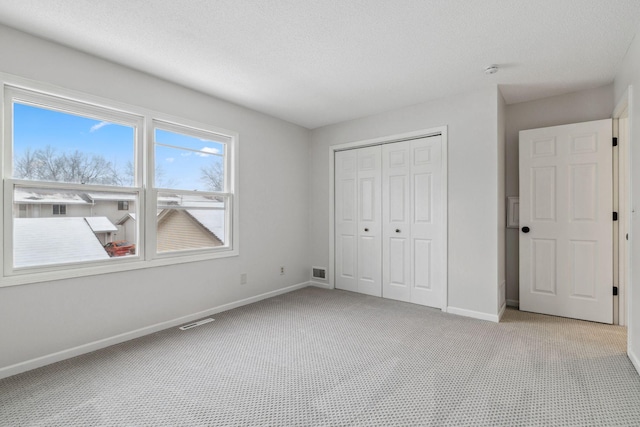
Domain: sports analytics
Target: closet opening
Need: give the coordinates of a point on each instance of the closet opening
(388, 217)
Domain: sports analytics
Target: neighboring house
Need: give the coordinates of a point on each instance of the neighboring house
(102, 209)
(127, 228)
(48, 241)
(111, 205)
(38, 203)
(212, 219)
(102, 228)
(43, 203)
(180, 229)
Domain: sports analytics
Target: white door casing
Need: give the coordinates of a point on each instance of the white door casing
(358, 220)
(413, 223)
(566, 203)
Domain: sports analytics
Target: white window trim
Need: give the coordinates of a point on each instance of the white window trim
(146, 258)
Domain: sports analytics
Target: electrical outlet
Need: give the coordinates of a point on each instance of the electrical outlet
(243, 278)
(282, 270)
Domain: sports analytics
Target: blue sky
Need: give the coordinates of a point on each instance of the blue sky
(37, 128)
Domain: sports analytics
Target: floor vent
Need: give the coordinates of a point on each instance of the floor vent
(319, 273)
(194, 324)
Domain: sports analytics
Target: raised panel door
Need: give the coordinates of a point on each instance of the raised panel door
(346, 220)
(427, 222)
(413, 224)
(369, 223)
(396, 213)
(566, 236)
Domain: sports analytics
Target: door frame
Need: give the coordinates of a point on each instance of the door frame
(440, 130)
(622, 263)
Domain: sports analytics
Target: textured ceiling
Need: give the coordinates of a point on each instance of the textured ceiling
(317, 62)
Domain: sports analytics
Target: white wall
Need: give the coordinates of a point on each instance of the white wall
(629, 75)
(473, 188)
(40, 319)
(592, 104)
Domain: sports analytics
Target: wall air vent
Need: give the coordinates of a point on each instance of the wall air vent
(194, 324)
(319, 273)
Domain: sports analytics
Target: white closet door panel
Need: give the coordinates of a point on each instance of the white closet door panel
(389, 221)
(346, 220)
(396, 214)
(427, 222)
(369, 221)
(413, 224)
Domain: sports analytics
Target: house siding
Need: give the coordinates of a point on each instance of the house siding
(178, 231)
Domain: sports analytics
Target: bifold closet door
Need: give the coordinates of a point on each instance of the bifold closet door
(413, 238)
(358, 220)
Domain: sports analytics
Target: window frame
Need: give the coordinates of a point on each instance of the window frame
(62, 209)
(146, 203)
(227, 192)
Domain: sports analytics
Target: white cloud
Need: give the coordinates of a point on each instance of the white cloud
(98, 126)
(186, 154)
(169, 159)
(205, 150)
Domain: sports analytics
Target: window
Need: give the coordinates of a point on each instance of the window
(86, 159)
(59, 209)
(191, 183)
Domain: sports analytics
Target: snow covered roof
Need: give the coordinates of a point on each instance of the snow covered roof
(100, 224)
(46, 196)
(46, 241)
(50, 196)
(104, 196)
(126, 218)
(211, 219)
(188, 201)
(165, 199)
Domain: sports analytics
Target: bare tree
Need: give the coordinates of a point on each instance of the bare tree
(51, 165)
(213, 176)
(77, 167)
(27, 166)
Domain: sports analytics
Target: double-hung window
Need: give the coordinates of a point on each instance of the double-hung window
(59, 154)
(191, 189)
(84, 176)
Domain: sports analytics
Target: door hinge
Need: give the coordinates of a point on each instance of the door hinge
(615, 290)
(615, 141)
(615, 216)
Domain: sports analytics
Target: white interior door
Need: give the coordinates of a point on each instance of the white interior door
(369, 221)
(346, 220)
(358, 220)
(396, 217)
(566, 249)
(413, 223)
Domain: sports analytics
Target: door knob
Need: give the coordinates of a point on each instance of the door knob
(525, 229)
(397, 230)
(366, 229)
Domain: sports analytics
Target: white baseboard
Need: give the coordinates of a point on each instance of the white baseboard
(475, 314)
(634, 360)
(320, 285)
(117, 339)
(501, 311)
(513, 303)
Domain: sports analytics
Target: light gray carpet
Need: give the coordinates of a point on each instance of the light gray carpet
(319, 357)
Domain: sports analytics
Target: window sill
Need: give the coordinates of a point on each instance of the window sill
(107, 268)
